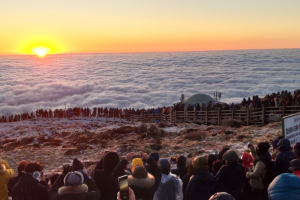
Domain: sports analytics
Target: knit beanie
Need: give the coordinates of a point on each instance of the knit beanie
(73, 178)
(22, 163)
(155, 156)
(221, 196)
(140, 172)
(247, 159)
(164, 164)
(294, 165)
(110, 161)
(135, 162)
(77, 165)
(262, 148)
(231, 156)
(200, 163)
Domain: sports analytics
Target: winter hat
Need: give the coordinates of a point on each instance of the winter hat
(110, 161)
(181, 161)
(200, 163)
(164, 166)
(136, 162)
(73, 178)
(155, 156)
(22, 163)
(262, 148)
(140, 172)
(221, 196)
(285, 186)
(295, 164)
(247, 159)
(77, 165)
(231, 156)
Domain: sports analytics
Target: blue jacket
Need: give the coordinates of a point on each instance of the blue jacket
(285, 186)
(283, 159)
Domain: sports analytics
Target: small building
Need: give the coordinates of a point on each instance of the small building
(198, 98)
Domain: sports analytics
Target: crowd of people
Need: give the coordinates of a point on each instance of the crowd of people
(284, 98)
(257, 174)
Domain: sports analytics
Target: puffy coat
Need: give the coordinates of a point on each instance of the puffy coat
(89, 191)
(169, 188)
(4, 178)
(284, 186)
(282, 162)
(201, 186)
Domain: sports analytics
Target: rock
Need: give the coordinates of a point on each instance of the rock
(124, 130)
(152, 128)
(156, 147)
(228, 132)
(162, 125)
(195, 136)
(142, 128)
(26, 140)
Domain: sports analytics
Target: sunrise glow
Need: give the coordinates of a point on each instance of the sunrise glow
(40, 51)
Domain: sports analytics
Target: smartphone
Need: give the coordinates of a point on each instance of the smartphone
(137, 156)
(123, 187)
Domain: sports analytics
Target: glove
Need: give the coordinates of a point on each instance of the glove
(77, 165)
(67, 169)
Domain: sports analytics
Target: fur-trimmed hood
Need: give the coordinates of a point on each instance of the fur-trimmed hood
(69, 190)
(147, 182)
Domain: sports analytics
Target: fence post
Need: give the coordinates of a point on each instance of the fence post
(248, 116)
(283, 110)
(219, 116)
(195, 116)
(175, 117)
(184, 115)
(263, 114)
(144, 117)
(171, 115)
(232, 115)
(206, 116)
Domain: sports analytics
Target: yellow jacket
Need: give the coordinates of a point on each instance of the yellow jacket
(4, 178)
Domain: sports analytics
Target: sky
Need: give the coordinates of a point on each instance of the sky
(101, 26)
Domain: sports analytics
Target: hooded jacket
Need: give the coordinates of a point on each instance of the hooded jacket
(285, 186)
(201, 186)
(282, 162)
(103, 177)
(143, 188)
(170, 188)
(59, 191)
(5, 175)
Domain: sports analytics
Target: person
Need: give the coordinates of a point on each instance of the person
(155, 157)
(202, 184)
(170, 186)
(130, 192)
(295, 167)
(6, 173)
(141, 182)
(221, 196)
(103, 173)
(11, 183)
(70, 185)
(258, 174)
(32, 185)
(181, 170)
(284, 186)
(232, 175)
(296, 149)
(283, 159)
(247, 161)
(211, 159)
(186, 179)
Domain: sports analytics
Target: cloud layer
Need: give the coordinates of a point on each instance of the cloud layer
(142, 80)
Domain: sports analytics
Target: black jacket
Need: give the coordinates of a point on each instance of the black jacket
(89, 191)
(201, 186)
(104, 182)
(12, 182)
(282, 162)
(30, 187)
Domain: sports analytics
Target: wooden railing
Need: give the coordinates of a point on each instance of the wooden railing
(248, 116)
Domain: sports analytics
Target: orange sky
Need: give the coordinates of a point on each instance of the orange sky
(93, 26)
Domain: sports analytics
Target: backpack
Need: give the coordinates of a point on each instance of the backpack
(25, 192)
(271, 173)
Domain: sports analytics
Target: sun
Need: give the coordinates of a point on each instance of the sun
(40, 51)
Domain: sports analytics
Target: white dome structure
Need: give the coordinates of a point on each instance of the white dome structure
(198, 98)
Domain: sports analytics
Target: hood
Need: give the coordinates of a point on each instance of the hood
(166, 178)
(211, 159)
(145, 183)
(224, 149)
(181, 161)
(284, 145)
(110, 161)
(247, 158)
(70, 190)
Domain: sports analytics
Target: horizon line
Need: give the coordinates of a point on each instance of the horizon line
(147, 52)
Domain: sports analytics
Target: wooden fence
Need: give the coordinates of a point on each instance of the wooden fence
(248, 116)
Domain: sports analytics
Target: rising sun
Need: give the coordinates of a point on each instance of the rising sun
(40, 51)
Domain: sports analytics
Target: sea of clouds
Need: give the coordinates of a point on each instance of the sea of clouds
(142, 80)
